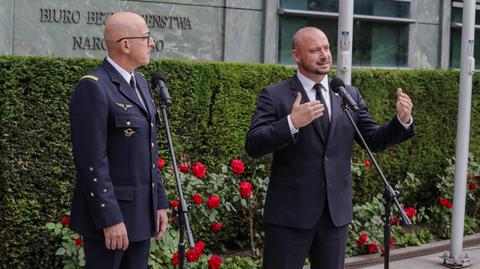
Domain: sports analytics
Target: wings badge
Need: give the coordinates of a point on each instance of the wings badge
(124, 106)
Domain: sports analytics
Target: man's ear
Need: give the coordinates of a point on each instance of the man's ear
(125, 46)
(295, 55)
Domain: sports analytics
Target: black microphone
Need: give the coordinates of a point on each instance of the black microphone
(158, 81)
(338, 86)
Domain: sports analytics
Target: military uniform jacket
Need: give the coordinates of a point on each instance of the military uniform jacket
(115, 154)
(309, 170)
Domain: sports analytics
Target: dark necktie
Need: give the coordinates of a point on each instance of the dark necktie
(323, 121)
(132, 84)
(134, 88)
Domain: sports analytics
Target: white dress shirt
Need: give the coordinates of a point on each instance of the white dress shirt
(127, 76)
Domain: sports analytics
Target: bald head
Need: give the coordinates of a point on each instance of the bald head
(120, 25)
(311, 52)
(303, 33)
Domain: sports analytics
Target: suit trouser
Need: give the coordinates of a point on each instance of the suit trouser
(324, 245)
(98, 256)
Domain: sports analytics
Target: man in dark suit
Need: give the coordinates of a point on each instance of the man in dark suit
(119, 201)
(309, 197)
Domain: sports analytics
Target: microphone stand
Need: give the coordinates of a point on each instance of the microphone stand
(180, 214)
(389, 195)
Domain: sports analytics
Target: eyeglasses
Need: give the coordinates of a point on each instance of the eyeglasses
(145, 38)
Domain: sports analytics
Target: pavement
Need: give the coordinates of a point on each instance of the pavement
(427, 256)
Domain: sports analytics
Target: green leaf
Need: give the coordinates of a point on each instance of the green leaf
(60, 252)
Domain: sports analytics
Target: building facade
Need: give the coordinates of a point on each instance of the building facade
(407, 34)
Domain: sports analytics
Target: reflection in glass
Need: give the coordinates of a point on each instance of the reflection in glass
(387, 8)
(374, 44)
(456, 47)
(457, 15)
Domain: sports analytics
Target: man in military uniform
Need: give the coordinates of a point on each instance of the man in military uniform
(119, 201)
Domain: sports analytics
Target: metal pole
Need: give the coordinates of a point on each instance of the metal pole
(463, 133)
(344, 41)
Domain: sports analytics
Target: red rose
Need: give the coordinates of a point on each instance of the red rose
(237, 167)
(65, 221)
(213, 201)
(394, 220)
(410, 211)
(199, 170)
(245, 189)
(160, 163)
(214, 262)
(78, 241)
(362, 239)
(184, 168)
(373, 247)
(383, 247)
(445, 203)
(193, 255)
(473, 185)
(200, 245)
(174, 203)
(175, 260)
(197, 198)
(392, 241)
(367, 163)
(216, 227)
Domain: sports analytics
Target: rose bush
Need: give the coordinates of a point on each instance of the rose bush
(226, 209)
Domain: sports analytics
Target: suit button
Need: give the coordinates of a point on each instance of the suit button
(104, 190)
(129, 123)
(153, 145)
(94, 179)
(153, 165)
(151, 124)
(102, 205)
(153, 185)
(91, 168)
(91, 194)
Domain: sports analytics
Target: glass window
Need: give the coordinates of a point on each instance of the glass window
(456, 38)
(387, 8)
(456, 47)
(457, 15)
(374, 44)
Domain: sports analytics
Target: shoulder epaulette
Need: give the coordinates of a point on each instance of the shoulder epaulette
(90, 77)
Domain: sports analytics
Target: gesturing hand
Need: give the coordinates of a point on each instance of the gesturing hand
(404, 106)
(116, 236)
(303, 114)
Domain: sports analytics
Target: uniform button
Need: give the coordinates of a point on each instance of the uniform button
(102, 205)
(153, 145)
(104, 190)
(151, 124)
(129, 123)
(153, 165)
(94, 179)
(91, 194)
(91, 168)
(153, 185)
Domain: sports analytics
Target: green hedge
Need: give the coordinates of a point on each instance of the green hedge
(213, 105)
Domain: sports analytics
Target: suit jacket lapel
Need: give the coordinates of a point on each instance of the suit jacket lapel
(297, 86)
(122, 85)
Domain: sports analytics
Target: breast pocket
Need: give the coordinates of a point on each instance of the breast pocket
(128, 124)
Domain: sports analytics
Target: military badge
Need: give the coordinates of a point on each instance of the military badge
(128, 132)
(124, 106)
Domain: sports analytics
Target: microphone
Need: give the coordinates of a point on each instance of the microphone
(338, 86)
(158, 81)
